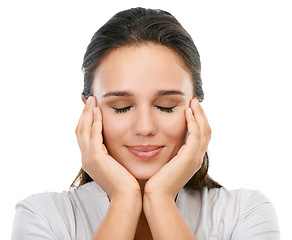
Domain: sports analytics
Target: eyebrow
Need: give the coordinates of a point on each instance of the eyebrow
(118, 94)
(129, 94)
(169, 92)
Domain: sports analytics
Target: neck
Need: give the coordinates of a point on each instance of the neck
(142, 184)
(143, 230)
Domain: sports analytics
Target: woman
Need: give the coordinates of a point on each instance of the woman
(143, 137)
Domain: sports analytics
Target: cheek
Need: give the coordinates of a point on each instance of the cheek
(175, 128)
(113, 128)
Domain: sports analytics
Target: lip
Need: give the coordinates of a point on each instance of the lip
(145, 152)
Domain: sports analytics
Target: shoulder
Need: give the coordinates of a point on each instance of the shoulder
(60, 214)
(238, 213)
(243, 202)
(241, 198)
(38, 215)
(66, 200)
(215, 197)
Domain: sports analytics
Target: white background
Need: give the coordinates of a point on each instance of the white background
(245, 49)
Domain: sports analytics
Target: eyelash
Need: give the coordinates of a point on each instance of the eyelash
(165, 109)
(122, 110)
(126, 109)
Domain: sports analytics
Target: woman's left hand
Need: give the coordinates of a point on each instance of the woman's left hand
(179, 170)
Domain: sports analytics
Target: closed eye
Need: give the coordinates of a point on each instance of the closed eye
(122, 110)
(165, 109)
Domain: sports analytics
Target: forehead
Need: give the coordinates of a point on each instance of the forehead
(146, 67)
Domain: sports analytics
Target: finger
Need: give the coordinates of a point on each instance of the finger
(206, 120)
(83, 130)
(203, 124)
(96, 132)
(85, 120)
(192, 125)
(208, 129)
(200, 117)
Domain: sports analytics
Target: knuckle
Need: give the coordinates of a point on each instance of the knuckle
(84, 162)
(207, 132)
(86, 157)
(198, 134)
(209, 135)
(77, 130)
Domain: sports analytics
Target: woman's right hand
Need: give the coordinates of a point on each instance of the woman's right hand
(121, 187)
(111, 176)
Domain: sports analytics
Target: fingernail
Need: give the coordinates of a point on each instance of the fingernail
(196, 101)
(190, 110)
(89, 100)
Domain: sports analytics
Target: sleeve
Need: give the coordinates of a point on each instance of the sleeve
(29, 225)
(258, 221)
(38, 218)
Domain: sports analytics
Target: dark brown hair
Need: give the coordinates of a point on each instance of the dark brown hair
(138, 26)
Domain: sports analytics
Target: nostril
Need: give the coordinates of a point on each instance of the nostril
(144, 125)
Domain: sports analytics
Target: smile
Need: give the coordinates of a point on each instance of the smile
(145, 152)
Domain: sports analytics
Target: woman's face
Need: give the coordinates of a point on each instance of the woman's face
(143, 92)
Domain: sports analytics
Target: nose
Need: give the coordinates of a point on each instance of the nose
(144, 123)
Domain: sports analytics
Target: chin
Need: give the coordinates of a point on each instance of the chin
(144, 174)
(143, 177)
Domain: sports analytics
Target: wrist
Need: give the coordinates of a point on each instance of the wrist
(161, 193)
(155, 200)
(132, 203)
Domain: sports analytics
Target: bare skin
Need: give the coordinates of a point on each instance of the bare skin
(163, 219)
(143, 206)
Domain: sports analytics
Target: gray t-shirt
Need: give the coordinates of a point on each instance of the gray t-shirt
(210, 214)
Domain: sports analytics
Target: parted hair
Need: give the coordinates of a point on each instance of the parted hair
(138, 26)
